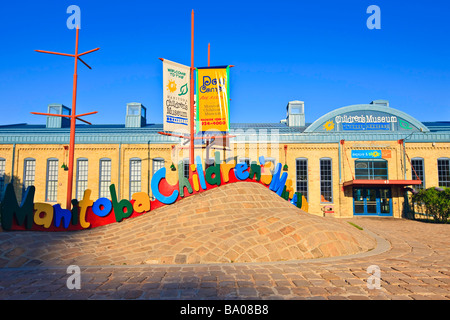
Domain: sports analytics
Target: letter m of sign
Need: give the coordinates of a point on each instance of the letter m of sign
(9, 208)
(277, 184)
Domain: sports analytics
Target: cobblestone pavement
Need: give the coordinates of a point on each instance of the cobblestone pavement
(413, 258)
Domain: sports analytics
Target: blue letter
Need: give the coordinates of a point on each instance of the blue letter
(157, 177)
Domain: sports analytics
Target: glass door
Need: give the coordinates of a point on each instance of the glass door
(385, 201)
(372, 201)
(358, 201)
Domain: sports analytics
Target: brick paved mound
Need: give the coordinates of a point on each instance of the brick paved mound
(238, 222)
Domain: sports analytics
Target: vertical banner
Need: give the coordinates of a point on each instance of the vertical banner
(212, 99)
(176, 96)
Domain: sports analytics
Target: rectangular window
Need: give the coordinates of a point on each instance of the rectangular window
(246, 160)
(105, 178)
(444, 172)
(371, 169)
(82, 177)
(302, 176)
(52, 180)
(186, 168)
(2, 177)
(158, 163)
(418, 172)
(326, 183)
(135, 176)
(28, 173)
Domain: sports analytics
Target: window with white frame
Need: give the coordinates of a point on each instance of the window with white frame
(301, 176)
(186, 168)
(29, 170)
(82, 177)
(418, 172)
(105, 178)
(246, 160)
(51, 190)
(326, 180)
(271, 159)
(135, 175)
(157, 164)
(444, 172)
(2, 177)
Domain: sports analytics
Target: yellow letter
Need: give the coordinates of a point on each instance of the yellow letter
(266, 175)
(141, 203)
(47, 210)
(225, 170)
(84, 204)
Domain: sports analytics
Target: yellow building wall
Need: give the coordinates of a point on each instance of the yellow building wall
(120, 155)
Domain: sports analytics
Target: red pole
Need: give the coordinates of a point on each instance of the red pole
(72, 129)
(209, 54)
(191, 151)
(73, 116)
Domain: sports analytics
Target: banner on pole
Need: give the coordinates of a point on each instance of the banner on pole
(212, 99)
(176, 82)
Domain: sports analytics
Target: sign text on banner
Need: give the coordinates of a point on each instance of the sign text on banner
(212, 99)
(176, 97)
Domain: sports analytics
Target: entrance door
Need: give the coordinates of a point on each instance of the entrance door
(385, 201)
(372, 201)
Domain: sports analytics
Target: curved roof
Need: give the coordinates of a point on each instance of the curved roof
(364, 107)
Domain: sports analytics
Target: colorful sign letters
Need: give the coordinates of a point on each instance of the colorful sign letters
(90, 214)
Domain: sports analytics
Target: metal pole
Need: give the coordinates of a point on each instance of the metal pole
(209, 55)
(191, 151)
(72, 128)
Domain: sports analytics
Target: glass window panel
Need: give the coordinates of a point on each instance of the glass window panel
(158, 163)
(371, 169)
(82, 178)
(135, 176)
(302, 176)
(52, 180)
(2, 177)
(105, 178)
(326, 190)
(444, 172)
(28, 175)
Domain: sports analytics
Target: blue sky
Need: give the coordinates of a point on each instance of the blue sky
(320, 52)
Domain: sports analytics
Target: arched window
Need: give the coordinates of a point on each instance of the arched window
(29, 171)
(326, 180)
(157, 163)
(135, 175)
(2, 176)
(186, 167)
(51, 188)
(301, 176)
(444, 172)
(245, 159)
(371, 169)
(105, 178)
(418, 172)
(82, 177)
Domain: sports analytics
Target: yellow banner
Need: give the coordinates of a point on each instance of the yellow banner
(212, 99)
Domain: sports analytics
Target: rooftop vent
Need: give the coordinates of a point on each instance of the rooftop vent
(384, 103)
(295, 114)
(58, 122)
(136, 115)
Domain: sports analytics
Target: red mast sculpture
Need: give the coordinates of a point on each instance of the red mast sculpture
(73, 116)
